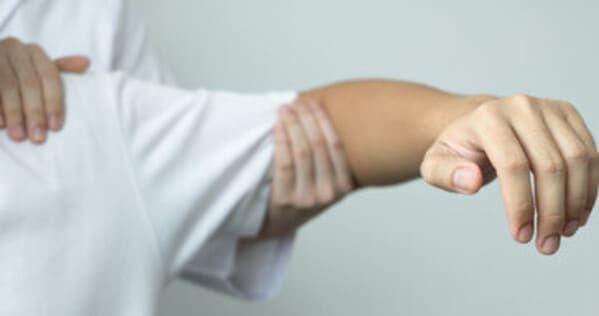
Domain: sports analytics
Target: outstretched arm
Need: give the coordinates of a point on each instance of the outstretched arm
(387, 127)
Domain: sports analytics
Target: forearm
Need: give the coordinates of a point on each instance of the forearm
(386, 126)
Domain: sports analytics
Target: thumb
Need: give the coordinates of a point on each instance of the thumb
(76, 64)
(444, 169)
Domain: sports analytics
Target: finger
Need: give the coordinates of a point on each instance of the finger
(594, 182)
(302, 156)
(442, 168)
(11, 103)
(550, 176)
(52, 89)
(507, 156)
(577, 161)
(324, 177)
(336, 152)
(578, 124)
(76, 64)
(31, 93)
(283, 178)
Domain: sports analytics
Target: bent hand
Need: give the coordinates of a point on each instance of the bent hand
(310, 168)
(509, 138)
(31, 91)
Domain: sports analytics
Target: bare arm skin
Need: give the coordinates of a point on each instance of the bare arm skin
(387, 126)
(394, 131)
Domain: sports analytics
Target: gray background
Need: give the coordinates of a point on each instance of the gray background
(406, 250)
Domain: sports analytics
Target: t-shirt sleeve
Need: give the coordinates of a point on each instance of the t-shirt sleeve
(202, 161)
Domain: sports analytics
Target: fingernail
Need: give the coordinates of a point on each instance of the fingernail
(38, 134)
(525, 234)
(550, 245)
(463, 180)
(571, 228)
(17, 132)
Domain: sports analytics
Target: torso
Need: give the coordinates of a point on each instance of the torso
(73, 237)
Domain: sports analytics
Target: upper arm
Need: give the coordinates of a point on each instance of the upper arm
(199, 158)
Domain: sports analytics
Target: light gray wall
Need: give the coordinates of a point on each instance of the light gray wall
(407, 250)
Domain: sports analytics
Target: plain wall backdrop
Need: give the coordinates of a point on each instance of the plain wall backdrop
(410, 249)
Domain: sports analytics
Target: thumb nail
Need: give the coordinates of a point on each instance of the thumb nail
(463, 180)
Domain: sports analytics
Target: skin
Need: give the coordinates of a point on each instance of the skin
(32, 101)
(395, 131)
(311, 171)
(31, 92)
(390, 132)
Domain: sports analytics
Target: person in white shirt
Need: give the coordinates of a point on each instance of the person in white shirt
(141, 177)
(110, 36)
(106, 213)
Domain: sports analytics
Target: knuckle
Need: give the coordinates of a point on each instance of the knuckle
(522, 99)
(515, 164)
(576, 152)
(285, 166)
(528, 109)
(524, 104)
(553, 219)
(319, 142)
(30, 82)
(281, 141)
(552, 166)
(304, 152)
(568, 107)
(524, 211)
(34, 113)
(487, 110)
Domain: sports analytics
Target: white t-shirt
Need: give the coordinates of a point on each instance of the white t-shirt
(107, 31)
(100, 218)
(113, 37)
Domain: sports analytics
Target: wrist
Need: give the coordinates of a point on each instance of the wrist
(446, 112)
